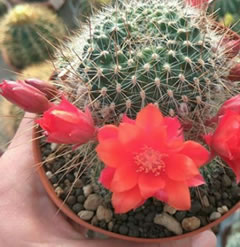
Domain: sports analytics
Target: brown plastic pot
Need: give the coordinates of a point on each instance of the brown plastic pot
(68, 212)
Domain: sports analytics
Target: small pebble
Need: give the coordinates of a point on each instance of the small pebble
(92, 202)
(191, 223)
(81, 198)
(94, 220)
(49, 174)
(71, 200)
(59, 191)
(110, 226)
(180, 215)
(223, 209)
(214, 216)
(78, 183)
(87, 190)
(77, 207)
(54, 146)
(205, 202)
(123, 230)
(104, 214)
(169, 209)
(226, 181)
(196, 207)
(85, 215)
(169, 222)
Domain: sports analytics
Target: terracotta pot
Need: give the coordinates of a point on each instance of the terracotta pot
(67, 211)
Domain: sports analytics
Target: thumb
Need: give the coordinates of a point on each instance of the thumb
(204, 239)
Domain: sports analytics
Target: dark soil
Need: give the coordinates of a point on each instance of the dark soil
(219, 191)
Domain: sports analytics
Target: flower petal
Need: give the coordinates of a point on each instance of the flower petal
(235, 165)
(178, 195)
(110, 153)
(180, 167)
(196, 181)
(226, 135)
(150, 184)
(125, 178)
(196, 152)
(126, 119)
(161, 195)
(126, 201)
(106, 177)
(174, 128)
(107, 132)
(149, 117)
(128, 133)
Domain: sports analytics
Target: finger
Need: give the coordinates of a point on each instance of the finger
(204, 239)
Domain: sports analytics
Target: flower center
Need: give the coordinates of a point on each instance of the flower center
(150, 160)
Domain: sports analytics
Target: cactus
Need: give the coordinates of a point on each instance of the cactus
(222, 7)
(29, 34)
(3, 8)
(227, 13)
(42, 71)
(233, 240)
(155, 52)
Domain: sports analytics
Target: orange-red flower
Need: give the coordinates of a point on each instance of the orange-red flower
(149, 158)
(66, 124)
(225, 141)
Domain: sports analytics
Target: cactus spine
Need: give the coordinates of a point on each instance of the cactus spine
(29, 34)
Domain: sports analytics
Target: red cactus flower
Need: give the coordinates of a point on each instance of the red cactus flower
(66, 124)
(232, 104)
(25, 96)
(234, 74)
(45, 87)
(148, 157)
(225, 141)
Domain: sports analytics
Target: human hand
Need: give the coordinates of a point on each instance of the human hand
(28, 218)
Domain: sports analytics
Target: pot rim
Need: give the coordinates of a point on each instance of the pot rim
(68, 212)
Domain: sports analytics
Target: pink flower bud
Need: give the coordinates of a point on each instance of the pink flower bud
(232, 48)
(45, 87)
(28, 98)
(234, 74)
(66, 124)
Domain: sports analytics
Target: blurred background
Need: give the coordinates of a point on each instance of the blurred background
(30, 32)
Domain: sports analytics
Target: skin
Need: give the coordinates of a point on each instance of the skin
(28, 217)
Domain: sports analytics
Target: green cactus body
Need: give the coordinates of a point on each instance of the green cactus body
(233, 240)
(154, 52)
(3, 8)
(29, 34)
(222, 7)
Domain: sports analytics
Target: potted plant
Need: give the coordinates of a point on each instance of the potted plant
(142, 130)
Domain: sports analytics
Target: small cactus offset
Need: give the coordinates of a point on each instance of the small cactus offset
(151, 52)
(29, 34)
(42, 71)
